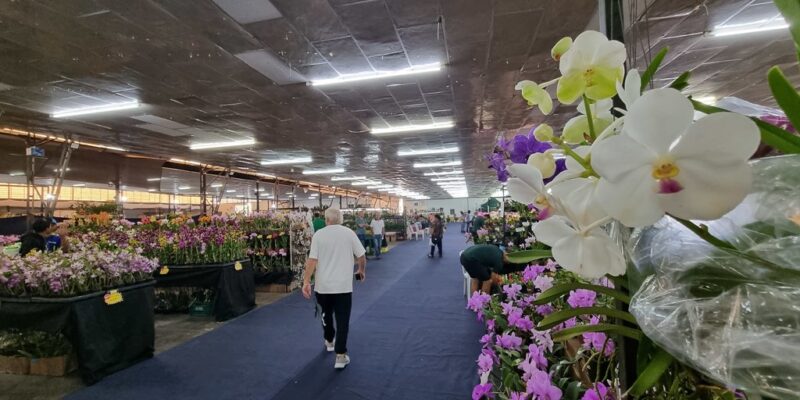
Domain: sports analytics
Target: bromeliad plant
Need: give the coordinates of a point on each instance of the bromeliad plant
(651, 159)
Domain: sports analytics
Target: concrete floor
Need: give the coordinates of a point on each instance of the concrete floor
(171, 330)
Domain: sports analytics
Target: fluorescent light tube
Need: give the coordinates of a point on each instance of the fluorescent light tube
(151, 190)
(437, 164)
(16, 173)
(96, 109)
(295, 160)
(366, 183)
(348, 178)
(443, 150)
(323, 171)
(230, 191)
(413, 128)
(79, 185)
(380, 187)
(762, 25)
(418, 69)
(153, 179)
(452, 178)
(220, 145)
(444, 173)
(217, 185)
(184, 187)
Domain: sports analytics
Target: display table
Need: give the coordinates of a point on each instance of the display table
(108, 331)
(234, 283)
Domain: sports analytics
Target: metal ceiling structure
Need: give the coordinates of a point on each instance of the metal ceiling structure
(222, 70)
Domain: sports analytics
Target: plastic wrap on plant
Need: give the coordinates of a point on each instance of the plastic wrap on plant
(735, 320)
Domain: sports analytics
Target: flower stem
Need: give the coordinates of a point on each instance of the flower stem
(728, 247)
(588, 106)
(549, 83)
(582, 161)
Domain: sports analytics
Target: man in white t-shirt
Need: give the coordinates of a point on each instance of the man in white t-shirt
(334, 250)
(377, 234)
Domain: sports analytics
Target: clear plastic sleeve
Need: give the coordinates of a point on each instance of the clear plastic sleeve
(733, 319)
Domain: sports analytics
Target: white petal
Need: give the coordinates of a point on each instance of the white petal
(573, 165)
(579, 200)
(553, 229)
(602, 107)
(710, 189)
(590, 256)
(633, 82)
(520, 191)
(529, 174)
(582, 51)
(618, 155)
(611, 53)
(724, 135)
(632, 199)
(658, 118)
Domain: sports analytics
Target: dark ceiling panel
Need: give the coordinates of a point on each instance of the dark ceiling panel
(425, 44)
(344, 55)
(313, 18)
(281, 37)
(371, 26)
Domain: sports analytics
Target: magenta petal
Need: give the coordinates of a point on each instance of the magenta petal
(667, 186)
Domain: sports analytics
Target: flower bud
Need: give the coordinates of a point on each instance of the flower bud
(561, 47)
(544, 162)
(543, 133)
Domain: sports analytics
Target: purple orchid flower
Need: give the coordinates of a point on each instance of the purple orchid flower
(525, 145)
(482, 392)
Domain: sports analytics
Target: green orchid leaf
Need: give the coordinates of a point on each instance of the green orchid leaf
(526, 256)
(644, 353)
(563, 315)
(569, 333)
(573, 391)
(557, 291)
(652, 373)
(791, 14)
(681, 82)
(785, 94)
(648, 74)
(772, 135)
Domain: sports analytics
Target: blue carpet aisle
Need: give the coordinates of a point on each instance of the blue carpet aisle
(410, 338)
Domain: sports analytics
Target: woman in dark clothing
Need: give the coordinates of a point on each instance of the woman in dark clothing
(36, 239)
(437, 231)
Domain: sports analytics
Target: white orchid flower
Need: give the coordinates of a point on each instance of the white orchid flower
(592, 66)
(577, 128)
(535, 95)
(578, 241)
(663, 162)
(527, 187)
(632, 90)
(545, 162)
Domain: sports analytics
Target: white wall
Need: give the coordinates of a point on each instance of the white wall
(458, 205)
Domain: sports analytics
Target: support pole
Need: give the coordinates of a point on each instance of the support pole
(203, 192)
(258, 198)
(319, 191)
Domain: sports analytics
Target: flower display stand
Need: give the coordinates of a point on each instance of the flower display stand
(52, 366)
(109, 330)
(15, 365)
(233, 282)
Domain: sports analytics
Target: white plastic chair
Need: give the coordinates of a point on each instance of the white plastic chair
(413, 232)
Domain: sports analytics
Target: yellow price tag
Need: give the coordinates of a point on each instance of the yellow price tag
(237, 266)
(112, 297)
(164, 270)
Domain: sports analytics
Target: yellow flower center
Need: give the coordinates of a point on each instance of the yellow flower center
(588, 76)
(665, 170)
(541, 201)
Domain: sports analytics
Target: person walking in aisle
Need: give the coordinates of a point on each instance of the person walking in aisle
(437, 231)
(361, 228)
(463, 222)
(334, 250)
(318, 222)
(468, 220)
(377, 234)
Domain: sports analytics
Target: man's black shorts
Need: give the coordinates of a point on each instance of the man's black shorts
(476, 270)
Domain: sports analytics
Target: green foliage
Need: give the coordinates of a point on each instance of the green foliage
(559, 290)
(791, 14)
(33, 344)
(785, 94)
(648, 74)
(778, 138)
(651, 375)
(563, 315)
(86, 208)
(526, 256)
(681, 82)
(570, 333)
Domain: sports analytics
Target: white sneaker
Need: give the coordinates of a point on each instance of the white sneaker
(341, 361)
(328, 346)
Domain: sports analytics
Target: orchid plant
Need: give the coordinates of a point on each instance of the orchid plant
(657, 154)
